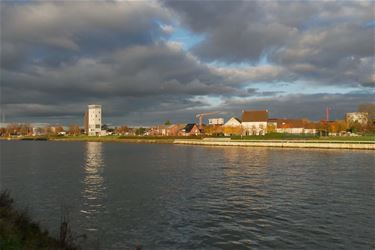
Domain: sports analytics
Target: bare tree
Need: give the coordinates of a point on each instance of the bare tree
(74, 129)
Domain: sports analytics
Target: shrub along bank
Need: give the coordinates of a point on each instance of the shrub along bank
(18, 231)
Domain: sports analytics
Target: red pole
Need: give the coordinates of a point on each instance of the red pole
(327, 113)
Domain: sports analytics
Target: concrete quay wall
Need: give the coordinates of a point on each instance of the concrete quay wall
(281, 144)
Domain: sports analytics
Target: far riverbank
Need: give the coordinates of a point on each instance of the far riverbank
(362, 142)
(363, 145)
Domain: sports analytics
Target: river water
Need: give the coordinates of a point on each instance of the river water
(193, 197)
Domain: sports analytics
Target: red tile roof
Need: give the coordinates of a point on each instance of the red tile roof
(255, 116)
(289, 123)
(293, 123)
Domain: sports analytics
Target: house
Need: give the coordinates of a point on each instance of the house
(173, 129)
(232, 127)
(37, 131)
(290, 126)
(159, 130)
(272, 125)
(190, 129)
(254, 122)
(310, 128)
(233, 122)
(166, 130)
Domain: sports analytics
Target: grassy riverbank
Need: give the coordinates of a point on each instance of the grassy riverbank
(112, 138)
(170, 139)
(18, 231)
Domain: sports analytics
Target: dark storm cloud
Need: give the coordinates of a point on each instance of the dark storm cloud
(156, 78)
(234, 30)
(325, 42)
(69, 24)
(159, 69)
(57, 57)
(69, 54)
(310, 106)
(56, 32)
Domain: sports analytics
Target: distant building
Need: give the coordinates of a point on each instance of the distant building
(290, 126)
(272, 125)
(190, 130)
(233, 122)
(254, 122)
(36, 131)
(232, 127)
(310, 128)
(174, 129)
(93, 120)
(159, 130)
(360, 118)
(216, 121)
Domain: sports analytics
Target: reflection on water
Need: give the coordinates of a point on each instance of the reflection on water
(93, 182)
(191, 197)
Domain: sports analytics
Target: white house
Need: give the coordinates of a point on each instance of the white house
(232, 127)
(254, 122)
(290, 126)
(233, 122)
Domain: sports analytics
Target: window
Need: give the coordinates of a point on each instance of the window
(97, 126)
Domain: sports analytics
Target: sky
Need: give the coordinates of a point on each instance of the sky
(151, 61)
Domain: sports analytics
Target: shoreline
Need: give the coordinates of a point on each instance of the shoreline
(283, 144)
(322, 144)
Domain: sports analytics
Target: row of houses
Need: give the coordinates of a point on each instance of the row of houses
(190, 129)
(257, 122)
(254, 122)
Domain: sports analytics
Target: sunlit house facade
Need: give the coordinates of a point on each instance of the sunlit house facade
(254, 122)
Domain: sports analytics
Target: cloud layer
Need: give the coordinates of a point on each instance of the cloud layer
(58, 57)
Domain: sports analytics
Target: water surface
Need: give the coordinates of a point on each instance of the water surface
(193, 197)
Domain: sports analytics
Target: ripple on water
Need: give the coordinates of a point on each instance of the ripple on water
(182, 197)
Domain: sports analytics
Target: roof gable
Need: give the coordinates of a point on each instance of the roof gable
(232, 120)
(189, 127)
